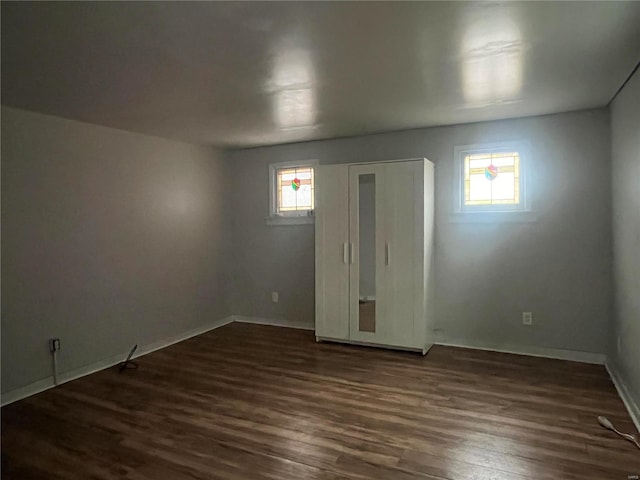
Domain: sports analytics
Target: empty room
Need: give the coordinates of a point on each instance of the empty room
(320, 240)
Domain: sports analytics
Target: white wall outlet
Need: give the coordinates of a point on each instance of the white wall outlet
(527, 318)
(54, 344)
(274, 297)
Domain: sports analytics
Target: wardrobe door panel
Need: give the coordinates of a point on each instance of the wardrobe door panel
(403, 252)
(332, 251)
(366, 195)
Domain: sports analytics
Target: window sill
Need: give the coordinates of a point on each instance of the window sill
(282, 221)
(493, 217)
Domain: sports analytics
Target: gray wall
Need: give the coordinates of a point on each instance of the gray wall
(558, 267)
(625, 143)
(109, 238)
(112, 238)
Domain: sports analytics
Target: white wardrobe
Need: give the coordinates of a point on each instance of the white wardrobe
(374, 253)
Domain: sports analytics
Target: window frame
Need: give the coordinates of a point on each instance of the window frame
(294, 217)
(509, 212)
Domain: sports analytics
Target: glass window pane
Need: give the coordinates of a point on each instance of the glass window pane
(289, 199)
(304, 197)
(479, 187)
(480, 163)
(304, 174)
(479, 155)
(503, 187)
(507, 160)
(503, 154)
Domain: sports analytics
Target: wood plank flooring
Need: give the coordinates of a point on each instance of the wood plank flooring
(258, 402)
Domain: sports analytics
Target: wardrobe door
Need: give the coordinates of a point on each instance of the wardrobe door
(366, 281)
(332, 251)
(404, 253)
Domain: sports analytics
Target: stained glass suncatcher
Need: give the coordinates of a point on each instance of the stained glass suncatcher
(491, 172)
(492, 178)
(295, 189)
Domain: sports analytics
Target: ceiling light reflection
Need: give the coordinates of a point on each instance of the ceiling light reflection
(492, 62)
(295, 108)
(292, 87)
(293, 68)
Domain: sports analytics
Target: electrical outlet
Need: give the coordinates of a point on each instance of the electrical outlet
(274, 297)
(527, 318)
(54, 344)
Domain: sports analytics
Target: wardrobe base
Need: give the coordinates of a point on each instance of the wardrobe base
(422, 350)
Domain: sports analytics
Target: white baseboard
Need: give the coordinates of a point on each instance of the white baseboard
(64, 377)
(152, 347)
(555, 353)
(632, 407)
(47, 383)
(276, 322)
(27, 391)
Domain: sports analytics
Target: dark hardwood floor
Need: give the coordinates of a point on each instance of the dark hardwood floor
(258, 402)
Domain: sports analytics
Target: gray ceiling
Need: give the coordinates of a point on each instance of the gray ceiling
(247, 74)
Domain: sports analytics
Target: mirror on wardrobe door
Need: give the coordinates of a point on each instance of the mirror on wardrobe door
(367, 252)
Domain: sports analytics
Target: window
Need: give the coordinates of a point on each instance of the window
(292, 198)
(491, 179)
(294, 190)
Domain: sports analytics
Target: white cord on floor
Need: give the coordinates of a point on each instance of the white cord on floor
(55, 367)
(604, 421)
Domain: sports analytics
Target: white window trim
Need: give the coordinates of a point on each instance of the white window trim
(291, 218)
(492, 213)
